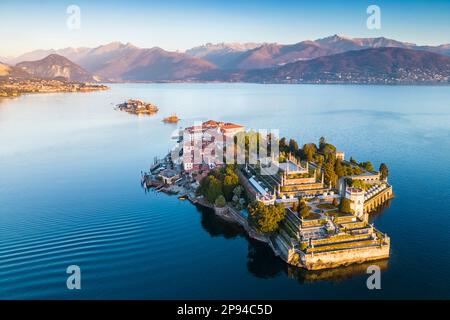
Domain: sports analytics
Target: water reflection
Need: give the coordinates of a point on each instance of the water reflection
(379, 211)
(335, 275)
(262, 262)
(217, 227)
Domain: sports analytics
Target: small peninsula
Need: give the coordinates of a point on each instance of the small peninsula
(135, 106)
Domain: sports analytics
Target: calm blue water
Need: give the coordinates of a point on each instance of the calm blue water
(70, 193)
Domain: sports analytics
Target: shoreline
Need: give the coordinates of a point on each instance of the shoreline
(312, 263)
(16, 88)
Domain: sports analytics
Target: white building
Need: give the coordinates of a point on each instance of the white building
(356, 197)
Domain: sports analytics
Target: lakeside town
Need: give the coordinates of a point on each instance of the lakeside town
(13, 87)
(309, 204)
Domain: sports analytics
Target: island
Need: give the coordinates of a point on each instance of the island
(13, 87)
(138, 107)
(171, 119)
(309, 203)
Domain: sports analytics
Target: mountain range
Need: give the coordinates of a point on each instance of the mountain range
(258, 62)
(375, 65)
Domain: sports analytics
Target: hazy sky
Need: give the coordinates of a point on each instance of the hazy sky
(175, 24)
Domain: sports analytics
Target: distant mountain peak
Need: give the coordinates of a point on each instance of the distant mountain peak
(118, 61)
(334, 38)
(56, 66)
(373, 65)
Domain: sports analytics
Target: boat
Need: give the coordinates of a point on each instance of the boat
(171, 119)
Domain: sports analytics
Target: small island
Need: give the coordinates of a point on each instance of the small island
(135, 106)
(171, 119)
(309, 204)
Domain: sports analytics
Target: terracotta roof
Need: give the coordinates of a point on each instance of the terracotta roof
(231, 126)
(214, 124)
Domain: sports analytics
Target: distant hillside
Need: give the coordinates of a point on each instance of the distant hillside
(119, 62)
(271, 55)
(222, 55)
(153, 64)
(379, 65)
(125, 62)
(10, 71)
(56, 66)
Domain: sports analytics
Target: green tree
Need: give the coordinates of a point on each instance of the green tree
(204, 184)
(214, 189)
(264, 218)
(345, 206)
(358, 184)
(320, 159)
(329, 149)
(322, 142)
(230, 182)
(293, 146)
(330, 176)
(282, 145)
(220, 201)
(303, 209)
(338, 169)
(308, 151)
(367, 165)
(384, 171)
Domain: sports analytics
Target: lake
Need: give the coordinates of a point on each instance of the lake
(70, 193)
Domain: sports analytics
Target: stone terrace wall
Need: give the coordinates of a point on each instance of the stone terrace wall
(334, 259)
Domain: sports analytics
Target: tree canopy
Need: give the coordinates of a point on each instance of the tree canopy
(220, 201)
(338, 169)
(303, 209)
(384, 171)
(264, 218)
(308, 151)
(345, 206)
(293, 146)
(330, 176)
(367, 165)
(221, 182)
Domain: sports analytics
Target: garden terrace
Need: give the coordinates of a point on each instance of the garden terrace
(311, 223)
(337, 214)
(326, 206)
(353, 225)
(341, 238)
(344, 219)
(343, 246)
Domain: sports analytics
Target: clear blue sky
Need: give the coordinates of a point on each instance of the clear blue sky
(181, 24)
